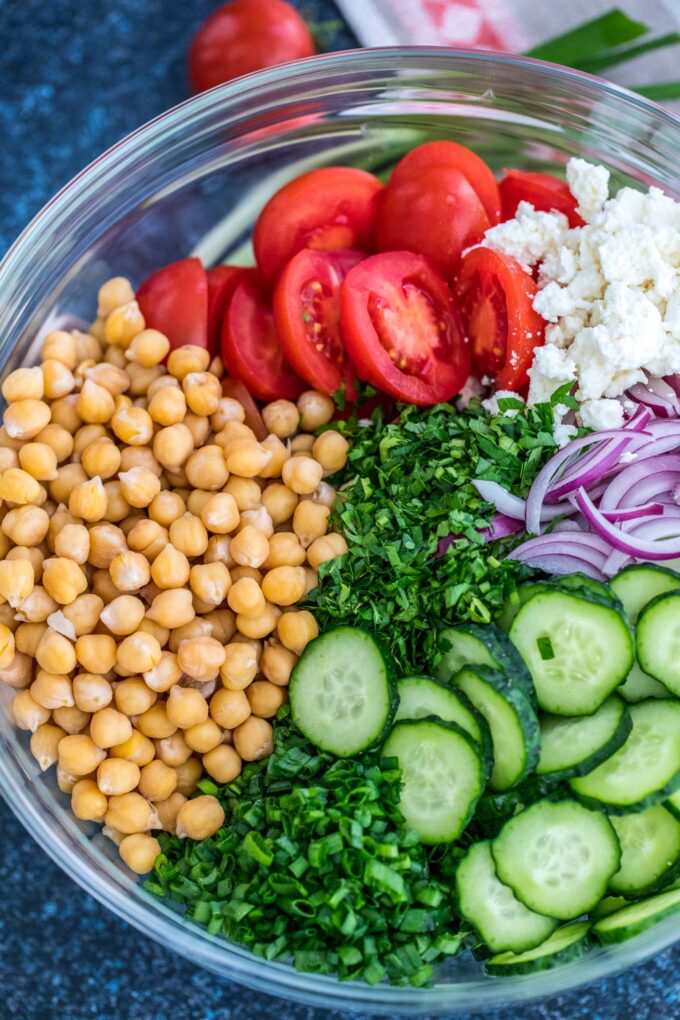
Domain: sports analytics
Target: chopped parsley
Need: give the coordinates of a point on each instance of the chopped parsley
(312, 865)
(406, 485)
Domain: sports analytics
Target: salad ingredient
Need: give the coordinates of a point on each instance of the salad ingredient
(307, 317)
(542, 191)
(637, 917)
(329, 209)
(656, 628)
(236, 391)
(450, 155)
(401, 328)
(608, 289)
(222, 282)
(421, 696)
(407, 484)
(469, 644)
(503, 922)
(564, 945)
(250, 346)
(442, 776)
(495, 299)
(512, 723)
(313, 862)
(575, 746)
(243, 36)
(577, 649)
(174, 301)
(557, 857)
(436, 213)
(342, 695)
(646, 768)
(650, 851)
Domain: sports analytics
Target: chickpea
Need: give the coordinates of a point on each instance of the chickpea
(38, 460)
(96, 653)
(281, 418)
(302, 474)
(310, 521)
(172, 609)
(246, 492)
(229, 708)
(54, 653)
(58, 439)
(45, 745)
(148, 348)
(210, 582)
(265, 698)
(84, 613)
(157, 781)
(7, 644)
(173, 750)
(26, 525)
(284, 585)
(18, 673)
(138, 749)
(124, 615)
(129, 571)
(166, 507)
(139, 486)
(139, 851)
(168, 810)
(235, 430)
(171, 568)
(167, 406)
(138, 653)
(284, 550)
(164, 674)
(116, 776)
(71, 720)
(295, 630)
(249, 547)
(109, 727)
(139, 456)
(27, 713)
(326, 548)
(200, 658)
(28, 636)
(246, 457)
(279, 455)
(88, 500)
(316, 409)
(130, 813)
(112, 294)
(202, 737)
(206, 469)
(63, 579)
(302, 443)
(91, 692)
(60, 345)
(219, 551)
(111, 377)
(197, 500)
(199, 818)
(26, 418)
(73, 542)
(173, 445)
(123, 324)
(258, 519)
(88, 802)
(228, 410)
(238, 669)
(87, 345)
(279, 501)
(254, 739)
(202, 391)
(23, 384)
(188, 534)
(222, 764)
(17, 486)
(79, 755)
(106, 542)
(330, 449)
(258, 626)
(52, 690)
(246, 597)
(10, 459)
(220, 513)
(186, 359)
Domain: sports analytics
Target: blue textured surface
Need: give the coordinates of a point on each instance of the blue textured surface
(74, 78)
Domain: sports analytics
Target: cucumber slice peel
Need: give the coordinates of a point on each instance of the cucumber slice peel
(574, 746)
(650, 852)
(636, 918)
(473, 645)
(566, 944)
(658, 640)
(421, 696)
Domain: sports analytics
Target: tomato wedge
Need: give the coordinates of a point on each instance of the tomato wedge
(436, 213)
(457, 157)
(222, 282)
(402, 330)
(235, 389)
(307, 317)
(544, 191)
(326, 209)
(495, 298)
(174, 300)
(250, 346)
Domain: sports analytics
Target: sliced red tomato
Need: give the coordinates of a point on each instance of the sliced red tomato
(544, 191)
(326, 210)
(307, 317)
(174, 300)
(235, 389)
(457, 157)
(222, 282)
(402, 330)
(250, 346)
(436, 213)
(244, 36)
(495, 298)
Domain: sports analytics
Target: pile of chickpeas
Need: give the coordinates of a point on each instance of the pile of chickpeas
(152, 553)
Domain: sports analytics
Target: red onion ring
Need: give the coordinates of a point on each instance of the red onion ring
(630, 543)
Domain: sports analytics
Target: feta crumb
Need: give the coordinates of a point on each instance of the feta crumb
(589, 185)
(563, 434)
(491, 404)
(602, 414)
(530, 237)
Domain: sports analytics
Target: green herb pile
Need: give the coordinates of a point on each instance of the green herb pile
(312, 864)
(407, 485)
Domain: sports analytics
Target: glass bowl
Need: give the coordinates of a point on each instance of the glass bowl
(194, 180)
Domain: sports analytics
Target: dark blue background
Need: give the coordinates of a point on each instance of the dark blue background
(75, 76)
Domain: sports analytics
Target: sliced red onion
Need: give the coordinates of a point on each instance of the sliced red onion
(634, 513)
(504, 501)
(500, 527)
(635, 484)
(657, 395)
(640, 418)
(674, 382)
(629, 543)
(563, 554)
(544, 478)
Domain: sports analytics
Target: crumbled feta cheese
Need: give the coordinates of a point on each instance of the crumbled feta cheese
(563, 434)
(491, 405)
(609, 291)
(589, 185)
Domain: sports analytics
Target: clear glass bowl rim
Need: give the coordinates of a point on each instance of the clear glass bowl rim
(219, 956)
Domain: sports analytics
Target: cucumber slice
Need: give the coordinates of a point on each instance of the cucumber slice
(572, 582)
(442, 774)
(342, 692)
(577, 650)
(420, 696)
(565, 944)
(658, 640)
(511, 719)
(646, 768)
(637, 585)
(470, 645)
(673, 804)
(557, 858)
(608, 905)
(575, 746)
(637, 917)
(639, 686)
(650, 851)
(492, 909)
